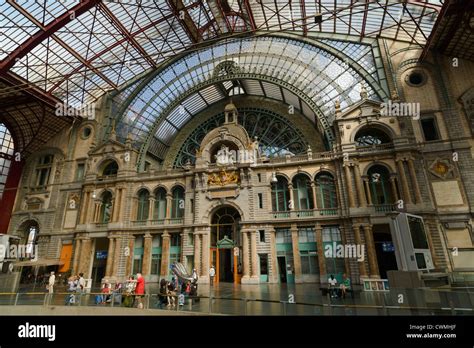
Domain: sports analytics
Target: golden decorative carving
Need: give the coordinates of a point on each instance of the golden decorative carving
(222, 178)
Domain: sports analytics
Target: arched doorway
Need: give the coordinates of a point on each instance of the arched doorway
(225, 237)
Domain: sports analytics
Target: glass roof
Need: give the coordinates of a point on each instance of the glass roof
(78, 50)
(320, 77)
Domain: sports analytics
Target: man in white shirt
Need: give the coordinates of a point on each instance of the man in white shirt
(212, 273)
(52, 279)
(332, 282)
(82, 282)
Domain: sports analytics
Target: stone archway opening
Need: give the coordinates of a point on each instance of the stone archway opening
(225, 241)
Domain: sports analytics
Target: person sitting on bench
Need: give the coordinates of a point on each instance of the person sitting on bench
(345, 285)
(332, 286)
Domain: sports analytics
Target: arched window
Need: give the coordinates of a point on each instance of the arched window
(177, 207)
(160, 204)
(302, 192)
(326, 191)
(143, 205)
(6, 155)
(380, 190)
(369, 136)
(280, 194)
(110, 169)
(106, 207)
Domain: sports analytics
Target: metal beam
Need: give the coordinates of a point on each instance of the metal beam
(44, 32)
(127, 34)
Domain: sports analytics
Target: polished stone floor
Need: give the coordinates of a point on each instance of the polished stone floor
(300, 299)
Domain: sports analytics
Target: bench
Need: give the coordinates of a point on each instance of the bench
(351, 292)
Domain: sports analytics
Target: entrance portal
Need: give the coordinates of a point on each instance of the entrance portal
(225, 238)
(384, 249)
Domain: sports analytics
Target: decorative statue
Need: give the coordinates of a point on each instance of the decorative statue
(224, 157)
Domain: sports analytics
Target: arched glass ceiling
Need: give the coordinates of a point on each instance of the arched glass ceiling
(319, 77)
(77, 50)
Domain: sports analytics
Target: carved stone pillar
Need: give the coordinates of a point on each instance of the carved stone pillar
(315, 197)
(197, 252)
(358, 240)
(151, 208)
(350, 194)
(205, 253)
(117, 253)
(321, 258)
(165, 253)
(85, 257)
(296, 253)
(273, 257)
(168, 205)
(253, 254)
(245, 255)
(393, 186)
(403, 179)
(367, 189)
(371, 254)
(146, 266)
(360, 189)
(416, 187)
(110, 255)
(77, 253)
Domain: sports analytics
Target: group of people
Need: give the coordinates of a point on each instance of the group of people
(343, 287)
(170, 290)
(75, 284)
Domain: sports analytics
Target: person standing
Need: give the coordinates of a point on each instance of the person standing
(82, 283)
(212, 274)
(332, 285)
(140, 290)
(52, 279)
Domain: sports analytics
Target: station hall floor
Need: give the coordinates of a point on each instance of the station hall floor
(297, 299)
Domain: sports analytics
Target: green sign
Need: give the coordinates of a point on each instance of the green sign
(225, 243)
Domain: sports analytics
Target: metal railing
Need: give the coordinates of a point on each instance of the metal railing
(450, 303)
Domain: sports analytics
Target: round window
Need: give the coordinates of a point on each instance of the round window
(86, 132)
(416, 78)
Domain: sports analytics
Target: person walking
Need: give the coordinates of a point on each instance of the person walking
(212, 274)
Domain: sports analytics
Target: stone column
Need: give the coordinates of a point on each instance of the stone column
(84, 208)
(131, 244)
(197, 252)
(350, 194)
(367, 189)
(147, 241)
(168, 205)
(273, 257)
(85, 257)
(393, 187)
(411, 169)
(206, 244)
(296, 254)
(321, 258)
(344, 241)
(110, 252)
(113, 216)
(245, 255)
(371, 254)
(292, 198)
(77, 253)
(315, 197)
(360, 189)
(403, 179)
(165, 253)
(358, 240)
(253, 254)
(89, 218)
(151, 208)
(117, 253)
